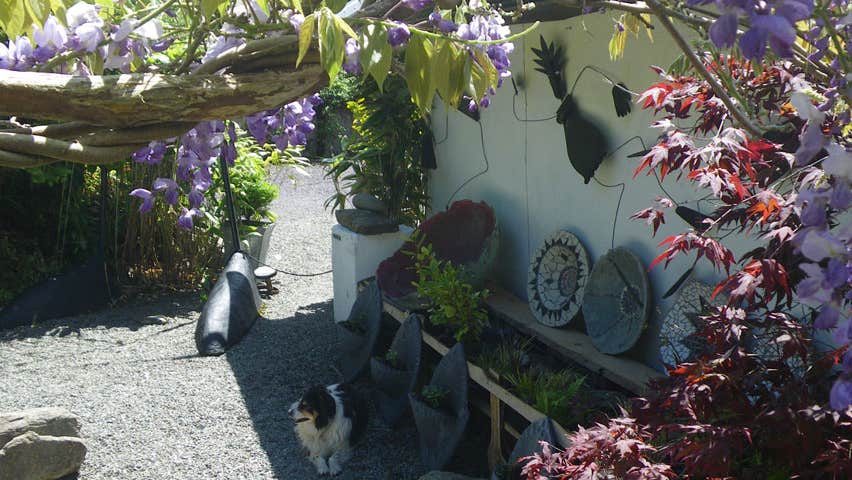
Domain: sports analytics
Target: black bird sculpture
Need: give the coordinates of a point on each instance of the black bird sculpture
(586, 143)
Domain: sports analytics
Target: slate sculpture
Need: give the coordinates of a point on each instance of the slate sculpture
(395, 382)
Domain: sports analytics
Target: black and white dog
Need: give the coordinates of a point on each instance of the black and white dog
(329, 421)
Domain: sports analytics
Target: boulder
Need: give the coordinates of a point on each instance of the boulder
(365, 201)
(35, 457)
(436, 475)
(54, 422)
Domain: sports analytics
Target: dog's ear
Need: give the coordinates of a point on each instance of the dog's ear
(326, 410)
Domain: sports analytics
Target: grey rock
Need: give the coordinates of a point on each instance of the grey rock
(365, 201)
(35, 457)
(56, 422)
(436, 475)
(365, 221)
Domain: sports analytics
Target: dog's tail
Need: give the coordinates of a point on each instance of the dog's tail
(355, 403)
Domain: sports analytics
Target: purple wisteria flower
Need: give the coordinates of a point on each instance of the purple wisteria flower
(417, 5)
(162, 45)
(441, 23)
(51, 35)
(828, 245)
(224, 42)
(771, 23)
(399, 34)
(86, 27)
(296, 20)
(147, 199)
(723, 32)
(185, 219)
(169, 188)
(352, 64)
(152, 154)
(17, 55)
(287, 126)
(196, 195)
(841, 393)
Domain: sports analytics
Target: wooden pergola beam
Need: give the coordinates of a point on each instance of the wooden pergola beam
(123, 101)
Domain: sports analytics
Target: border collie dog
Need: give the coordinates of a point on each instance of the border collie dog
(329, 421)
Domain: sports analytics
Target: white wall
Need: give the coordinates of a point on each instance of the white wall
(530, 181)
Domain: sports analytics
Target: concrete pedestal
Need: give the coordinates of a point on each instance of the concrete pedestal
(354, 257)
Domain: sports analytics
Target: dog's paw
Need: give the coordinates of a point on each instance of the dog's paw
(322, 467)
(334, 468)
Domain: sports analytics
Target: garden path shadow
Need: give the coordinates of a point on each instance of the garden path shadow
(275, 363)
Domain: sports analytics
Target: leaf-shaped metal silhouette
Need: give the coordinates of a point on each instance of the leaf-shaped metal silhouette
(621, 99)
(585, 142)
(551, 62)
(694, 218)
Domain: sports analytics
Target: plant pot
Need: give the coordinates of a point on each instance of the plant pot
(394, 384)
(256, 243)
(528, 444)
(440, 429)
(356, 348)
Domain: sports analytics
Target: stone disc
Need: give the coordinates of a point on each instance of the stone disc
(617, 303)
(558, 275)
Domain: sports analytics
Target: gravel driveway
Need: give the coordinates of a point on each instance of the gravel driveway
(152, 409)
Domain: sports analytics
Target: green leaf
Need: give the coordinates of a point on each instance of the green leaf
(376, 53)
(647, 18)
(478, 80)
(58, 7)
(13, 17)
(209, 7)
(632, 24)
(306, 35)
(616, 43)
(297, 5)
(37, 10)
(491, 74)
(263, 6)
(331, 43)
(336, 5)
(418, 70)
(448, 67)
(345, 27)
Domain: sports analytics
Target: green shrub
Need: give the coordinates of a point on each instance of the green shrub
(456, 303)
(434, 396)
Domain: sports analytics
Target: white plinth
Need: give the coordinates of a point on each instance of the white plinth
(355, 257)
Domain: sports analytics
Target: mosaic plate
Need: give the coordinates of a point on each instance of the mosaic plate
(680, 325)
(558, 275)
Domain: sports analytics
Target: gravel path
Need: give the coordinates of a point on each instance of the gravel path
(152, 409)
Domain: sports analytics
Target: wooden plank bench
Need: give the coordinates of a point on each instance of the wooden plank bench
(576, 346)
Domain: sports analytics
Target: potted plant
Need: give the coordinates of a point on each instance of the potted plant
(465, 236)
(440, 410)
(382, 155)
(358, 334)
(395, 374)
